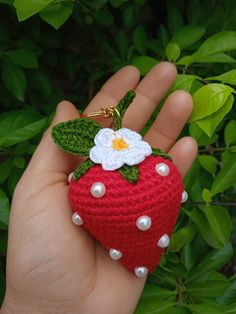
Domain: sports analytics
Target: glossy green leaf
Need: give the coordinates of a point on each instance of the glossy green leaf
(164, 35)
(212, 261)
(151, 290)
(187, 35)
(14, 79)
(200, 136)
(211, 288)
(19, 162)
(129, 15)
(220, 222)
(41, 82)
(144, 63)
(100, 3)
(5, 169)
(227, 77)
(152, 306)
(177, 268)
(203, 227)
(226, 177)
(208, 100)
(210, 123)
(180, 237)
(208, 162)
(122, 45)
(57, 14)
(140, 39)
(7, 1)
(218, 43)
(230, 309)
(23, 58)
(116, 3)
(230, 133)
(4, 208)
(229, 296)
(174, 19)
(27, 8)
(19, 126)
(206, 195)
(204, 308)
(178, 310)
(167, 278)
(3, 247)
(172, 52)
(217, 58)
(183, 81)
(104, 17)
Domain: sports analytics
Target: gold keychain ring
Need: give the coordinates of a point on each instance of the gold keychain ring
(106, 113)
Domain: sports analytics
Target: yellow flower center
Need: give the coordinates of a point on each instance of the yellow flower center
(119, 144)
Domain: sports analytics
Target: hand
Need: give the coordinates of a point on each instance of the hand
(54, 266)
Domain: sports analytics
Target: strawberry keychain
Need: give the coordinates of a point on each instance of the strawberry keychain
(126, 194)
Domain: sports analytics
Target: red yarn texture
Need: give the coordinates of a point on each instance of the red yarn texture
(111, 219)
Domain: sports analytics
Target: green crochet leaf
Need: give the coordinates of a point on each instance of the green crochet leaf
(122, 107)
(159, 152)
(130, 173)
(82, 169)
(76, 136)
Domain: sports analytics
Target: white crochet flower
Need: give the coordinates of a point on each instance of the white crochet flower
(113, 149)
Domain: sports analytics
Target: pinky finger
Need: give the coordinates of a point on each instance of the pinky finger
(183, 153)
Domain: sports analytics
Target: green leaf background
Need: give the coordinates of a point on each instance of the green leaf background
(56, 50)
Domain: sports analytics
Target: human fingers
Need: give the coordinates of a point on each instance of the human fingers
(48, 157)
(113, 91)
(149, 92)
(170, 121)
(183, 153)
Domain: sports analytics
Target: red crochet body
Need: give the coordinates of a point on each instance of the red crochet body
(112, 218)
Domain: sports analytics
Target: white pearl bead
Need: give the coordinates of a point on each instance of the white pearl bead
(70, 176)
(115, 254)
(163, 241)
(98, 189)
(144, 223)
(77, 220)
(184, 197)
(162, 169)
(141, 271)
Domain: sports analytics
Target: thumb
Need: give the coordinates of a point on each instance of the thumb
(48, 157)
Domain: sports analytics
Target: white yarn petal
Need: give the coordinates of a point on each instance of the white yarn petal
(134, 157)
(130, 135)
(144, 147)
(103, 137)
(113, 149)
(112, 161)
(96, 155)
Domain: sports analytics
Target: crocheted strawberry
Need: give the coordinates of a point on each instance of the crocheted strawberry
(126, 194)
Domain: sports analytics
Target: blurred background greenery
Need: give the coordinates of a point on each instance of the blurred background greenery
(51, 50)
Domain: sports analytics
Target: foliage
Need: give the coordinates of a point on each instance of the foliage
(67, 49)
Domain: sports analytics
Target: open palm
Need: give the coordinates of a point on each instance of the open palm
(54, 266)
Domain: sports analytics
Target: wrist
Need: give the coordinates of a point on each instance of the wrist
(9, 307)
(12, 305)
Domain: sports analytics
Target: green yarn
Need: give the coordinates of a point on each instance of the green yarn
(82, 169)
(130, 173)
(76, 136)
(159, 152)
(122, 107)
